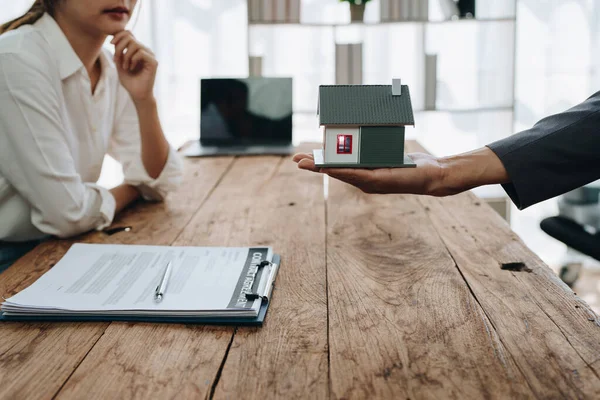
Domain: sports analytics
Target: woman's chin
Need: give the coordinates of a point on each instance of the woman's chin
(111, 27)
(114, 30)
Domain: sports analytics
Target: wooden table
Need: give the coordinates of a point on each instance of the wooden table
(377, 297)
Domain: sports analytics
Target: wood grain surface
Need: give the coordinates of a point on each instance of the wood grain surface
(37, 359)
(403, 324)
(287, 357)
(553, 335)
(377, 297)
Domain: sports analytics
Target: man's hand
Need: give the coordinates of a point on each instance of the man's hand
(433, 176)
(425, 179)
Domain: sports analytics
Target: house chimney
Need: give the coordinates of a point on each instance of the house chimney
(396, 87)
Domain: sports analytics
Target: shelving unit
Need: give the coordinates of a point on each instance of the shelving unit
(492, 89)
(446, 21)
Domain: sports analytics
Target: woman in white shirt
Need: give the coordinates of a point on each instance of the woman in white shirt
(65, 102)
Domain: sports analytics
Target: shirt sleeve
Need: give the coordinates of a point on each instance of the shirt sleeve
(126, 147)
(559, 154)
(36, 157)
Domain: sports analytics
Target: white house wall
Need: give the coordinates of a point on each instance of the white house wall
(331, 155)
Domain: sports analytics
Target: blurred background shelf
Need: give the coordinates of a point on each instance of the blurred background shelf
(377, 23)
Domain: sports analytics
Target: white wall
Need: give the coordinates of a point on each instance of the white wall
(331, 155)
(10, 9)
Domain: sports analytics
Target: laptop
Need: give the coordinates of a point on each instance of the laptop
(251, 116)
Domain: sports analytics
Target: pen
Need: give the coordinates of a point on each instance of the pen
(162, 286)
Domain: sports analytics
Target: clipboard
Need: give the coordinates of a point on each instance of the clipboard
(265, 287)
(258, 321)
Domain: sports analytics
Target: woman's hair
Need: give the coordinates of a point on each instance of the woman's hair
(35, 12)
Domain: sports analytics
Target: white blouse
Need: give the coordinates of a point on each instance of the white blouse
(54, 135)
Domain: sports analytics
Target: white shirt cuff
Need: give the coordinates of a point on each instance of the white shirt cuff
(107, 207)
(156, 189)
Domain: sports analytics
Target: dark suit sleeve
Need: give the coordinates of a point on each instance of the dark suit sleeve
(559, 154)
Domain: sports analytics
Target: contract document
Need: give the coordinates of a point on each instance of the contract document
(123, 280)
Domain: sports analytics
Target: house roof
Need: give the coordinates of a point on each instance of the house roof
(364, 105)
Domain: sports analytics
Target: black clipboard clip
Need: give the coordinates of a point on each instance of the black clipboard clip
(253, 295)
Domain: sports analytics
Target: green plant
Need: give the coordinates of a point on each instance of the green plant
(355, 2)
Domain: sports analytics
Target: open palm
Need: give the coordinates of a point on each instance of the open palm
(426, 178)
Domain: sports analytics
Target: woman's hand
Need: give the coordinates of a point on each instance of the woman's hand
(136, 65)
(137, 71)
(433, 176)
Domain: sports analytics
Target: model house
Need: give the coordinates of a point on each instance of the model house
(363, 125)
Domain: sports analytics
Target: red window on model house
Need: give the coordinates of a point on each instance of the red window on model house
(344, 144)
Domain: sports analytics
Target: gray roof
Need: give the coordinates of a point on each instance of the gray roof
(364, 105)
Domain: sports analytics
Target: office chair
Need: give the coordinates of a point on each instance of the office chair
(578, 226)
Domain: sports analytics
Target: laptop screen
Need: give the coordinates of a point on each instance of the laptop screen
(246, 111)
